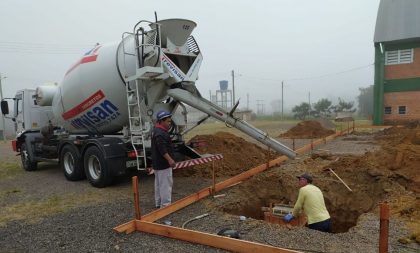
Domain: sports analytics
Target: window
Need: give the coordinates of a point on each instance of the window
(399, 56)
(401, 109)
(19, 103)
(388, 109)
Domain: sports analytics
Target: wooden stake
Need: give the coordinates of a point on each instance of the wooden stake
(213, 190)
(136, 198)
(293, 144)
(384, 228)
(341, 180)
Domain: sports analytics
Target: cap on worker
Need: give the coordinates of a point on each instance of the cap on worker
(162, 115)
(306, 176)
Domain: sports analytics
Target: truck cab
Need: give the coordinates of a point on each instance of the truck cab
(27, 114)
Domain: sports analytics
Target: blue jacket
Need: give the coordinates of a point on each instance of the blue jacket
(161, 144)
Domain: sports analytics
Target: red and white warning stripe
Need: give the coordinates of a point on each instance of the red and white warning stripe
(198, 161)
(192, 162)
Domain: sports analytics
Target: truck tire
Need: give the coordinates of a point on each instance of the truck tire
(26, 160)
(96, 168)
(71, 163)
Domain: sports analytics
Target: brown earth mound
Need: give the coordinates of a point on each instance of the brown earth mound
(239, 155)
(391, 174)
(306, 130)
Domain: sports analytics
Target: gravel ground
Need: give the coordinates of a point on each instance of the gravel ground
(88, 228)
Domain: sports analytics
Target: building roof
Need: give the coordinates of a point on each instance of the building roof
(398, 20)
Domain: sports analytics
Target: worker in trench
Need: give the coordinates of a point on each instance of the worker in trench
(162, 159)
(311, 201)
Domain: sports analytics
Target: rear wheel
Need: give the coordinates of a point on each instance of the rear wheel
(26, 160)
(71, 163)
(96, 168)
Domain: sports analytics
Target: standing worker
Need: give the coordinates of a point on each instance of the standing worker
(311, 200)
(162, 159)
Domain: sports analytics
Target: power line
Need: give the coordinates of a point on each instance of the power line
(43, 48)
(42, 52)
(30, 44)
(306, 78)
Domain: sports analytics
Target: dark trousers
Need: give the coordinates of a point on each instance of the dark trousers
(324, 226)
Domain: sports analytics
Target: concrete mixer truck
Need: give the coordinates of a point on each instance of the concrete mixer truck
(97, 122)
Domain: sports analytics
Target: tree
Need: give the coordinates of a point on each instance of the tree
(301, 111)
(365, 100)
(323, 106)
(344, 106)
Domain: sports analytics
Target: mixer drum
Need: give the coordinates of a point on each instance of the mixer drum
(92, 96)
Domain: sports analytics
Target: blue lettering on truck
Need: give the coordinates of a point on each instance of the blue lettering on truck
(97, 116)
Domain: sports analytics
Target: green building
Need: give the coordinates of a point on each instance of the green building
(397, 62)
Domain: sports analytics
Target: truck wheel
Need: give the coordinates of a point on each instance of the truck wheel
(96, 168)
(26, 161)
(71, 163)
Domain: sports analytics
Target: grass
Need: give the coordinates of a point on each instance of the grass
(10, 170)
(34, 210)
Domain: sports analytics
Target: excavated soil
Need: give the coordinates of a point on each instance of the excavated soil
(239, 155)
(307, 130)
(389, 174)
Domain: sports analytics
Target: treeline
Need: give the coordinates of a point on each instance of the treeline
(325, 108)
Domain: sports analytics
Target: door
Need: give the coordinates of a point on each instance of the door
(18, 112)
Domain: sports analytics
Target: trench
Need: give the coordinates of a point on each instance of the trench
(344, 207)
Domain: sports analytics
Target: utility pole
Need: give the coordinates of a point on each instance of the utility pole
(2, 116)
(309, 98)
(247, 101)
(233, 87)
(260, 107)
(282, 104)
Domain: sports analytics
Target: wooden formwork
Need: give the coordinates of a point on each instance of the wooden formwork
(145, 223)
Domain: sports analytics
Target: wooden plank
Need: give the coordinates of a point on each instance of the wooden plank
(240, 177)
(126, 227)
(216, 241)
(162, 212)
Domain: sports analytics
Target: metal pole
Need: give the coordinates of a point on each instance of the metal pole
(2, 116)
(282, 104)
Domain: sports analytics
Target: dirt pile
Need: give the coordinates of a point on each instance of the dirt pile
(306, 130)
(239, 155)
(390, 174)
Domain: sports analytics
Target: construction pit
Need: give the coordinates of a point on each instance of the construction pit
(375, 166)
(45, 212)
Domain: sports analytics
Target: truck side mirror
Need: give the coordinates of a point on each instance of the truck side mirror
(4, 107)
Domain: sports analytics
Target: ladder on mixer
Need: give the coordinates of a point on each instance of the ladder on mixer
(135, 123)
(136, 130)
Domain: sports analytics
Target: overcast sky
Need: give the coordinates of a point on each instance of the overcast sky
(322, 47)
